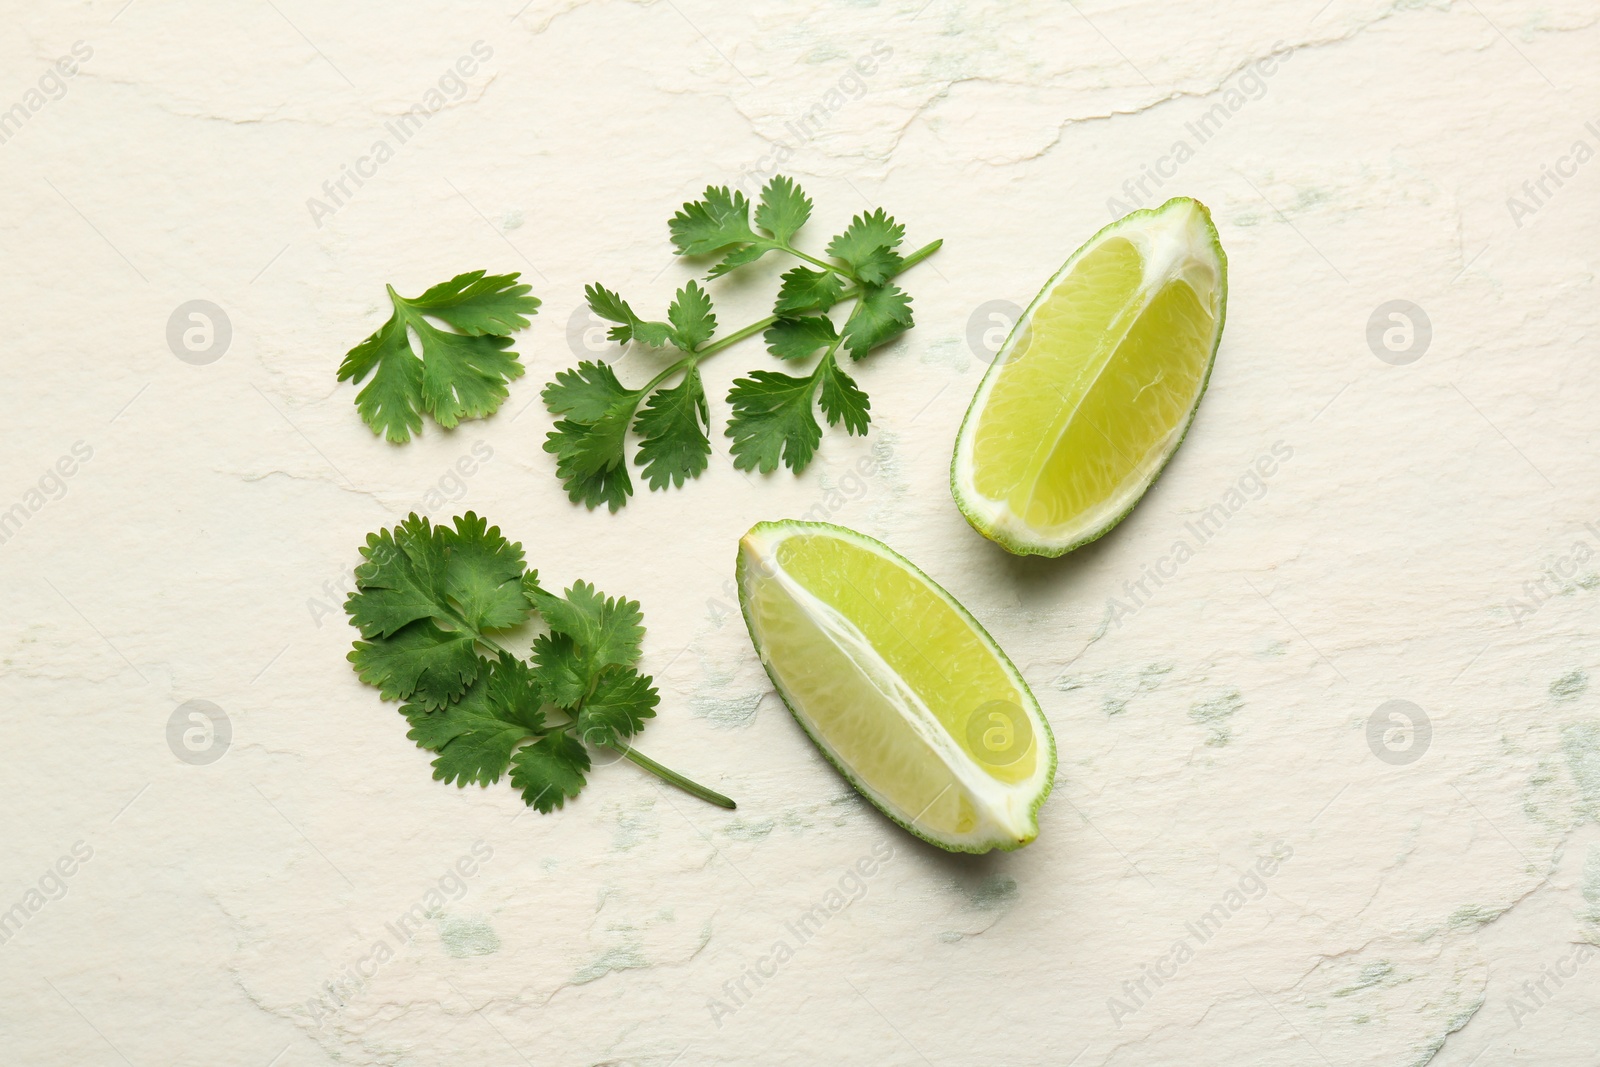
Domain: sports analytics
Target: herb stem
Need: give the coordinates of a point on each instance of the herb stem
(672, 777)
(831, 268)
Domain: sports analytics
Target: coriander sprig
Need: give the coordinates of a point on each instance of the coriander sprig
(461, 372)
(428, 598)
(772, 415)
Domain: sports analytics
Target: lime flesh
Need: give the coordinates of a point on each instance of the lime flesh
(1096, 386)
(898, 686)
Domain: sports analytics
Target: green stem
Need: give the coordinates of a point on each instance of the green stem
(831, 268)
(666, 774)
(710, 349)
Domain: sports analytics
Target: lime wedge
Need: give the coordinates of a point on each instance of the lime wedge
(898, 686)
(1094, 389)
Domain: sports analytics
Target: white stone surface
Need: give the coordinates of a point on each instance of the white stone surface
(1386, 559)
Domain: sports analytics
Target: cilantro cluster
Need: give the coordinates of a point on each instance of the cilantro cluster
(847, 303)
(428, 600)
(461, 372)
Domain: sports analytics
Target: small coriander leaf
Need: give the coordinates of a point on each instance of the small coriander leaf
(419, 662)
(464, 376)
(607, 630)
(882, 313)
(477, 303)
(804, 289)
(563, 671)
(784, 208)
(691, 317)
(622, 700)
(391, 404)
(550, 771)
(799, 338)
(630, 327)
(772, 421)
(483, 575)
(475, 736)
(868, 244)
(585, 392)
(401, 579)
(672, 427)
(720, 220)
(841, 399)
(590, 460)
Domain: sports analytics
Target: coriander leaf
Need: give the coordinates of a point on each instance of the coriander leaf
(464, 376)
(607, 630)
(611, 307)
(402, 579)
(672, 428)
(621, 702)
(477, 303)
(691, 317)
(784, 208)
(720, 220)
(868, 244)
(772, 420)
(585, 392)
(842, 399)
(550, 771)
(563, 670)
(798, 338)
(391, 404)
(590, 459)
(419, 662)
(804, 289)
(484, 574)
(457, 374)
(475, 736)
(883, 312)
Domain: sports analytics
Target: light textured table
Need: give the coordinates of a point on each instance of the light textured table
(1430, 534)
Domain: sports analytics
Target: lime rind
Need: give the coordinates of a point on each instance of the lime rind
(1042, 781)
(973, 506)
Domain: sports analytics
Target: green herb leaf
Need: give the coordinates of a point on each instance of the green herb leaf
(418, 662)
(590, 459)
(691, 317)
(721, 219)
(607, 630)
(841, 399)
(475, 736)
(611, 307)
(623, 699)
(674, 444)
(772, 421)
(868, 245)
(458, 375)
(882, 314)
(586, 392)
(784, 208)
(804, 289)
(799, 338)
(550, 771)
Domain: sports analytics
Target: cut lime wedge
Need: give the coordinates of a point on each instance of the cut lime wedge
(898, 686)
(1094, 389)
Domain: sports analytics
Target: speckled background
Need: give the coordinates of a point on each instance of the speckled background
(1431, 537)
